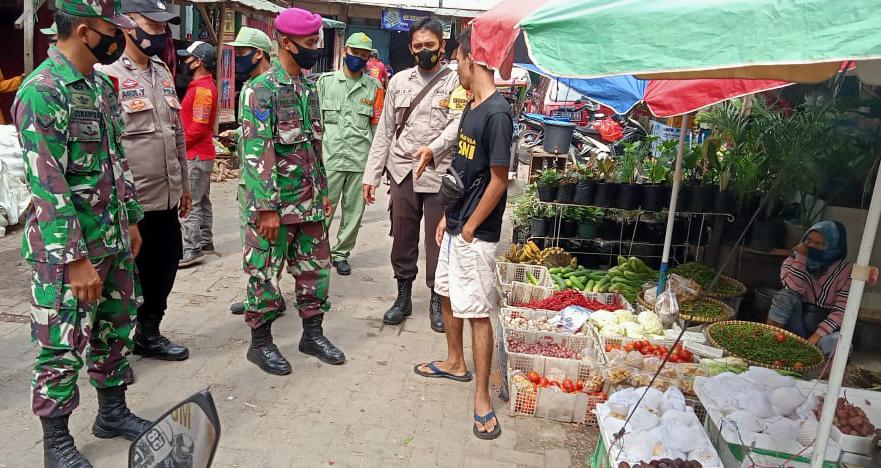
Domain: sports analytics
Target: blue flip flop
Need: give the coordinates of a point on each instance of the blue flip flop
(437, 373)
(496, 432)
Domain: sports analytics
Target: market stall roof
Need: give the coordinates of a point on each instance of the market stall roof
(266, 6)
(439, 11)
(664, 98)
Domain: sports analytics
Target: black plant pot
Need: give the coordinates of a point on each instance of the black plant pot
(680, 230)
(609, 229)
(568, 228)
(538, 227)
(655, 197)
(650, 232)
(629, 196)
(748, 206)
(606, 194)
(700, 198)
(731, 231)
(724, 202)
(650, 254)
(698, 235)
(547, 193)
(587, 260)
(566, 193)
(682, 200)
(768, 235)
(520, 234)
(587, 230)
(584, 192)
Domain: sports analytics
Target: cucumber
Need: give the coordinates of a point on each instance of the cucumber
(554, 270)
(622, 260)
(558, 281)
(576, 283)
(590, 284)
(568, 283)
(532, 280)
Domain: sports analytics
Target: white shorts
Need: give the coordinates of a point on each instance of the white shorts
(468, 271)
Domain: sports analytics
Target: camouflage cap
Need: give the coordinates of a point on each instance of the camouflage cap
(108, 10)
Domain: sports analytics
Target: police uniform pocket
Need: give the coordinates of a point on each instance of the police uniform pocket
(138, 117)
(330, 112)
(289, 128)
(402, 103)
(175, 107)
(439, 108)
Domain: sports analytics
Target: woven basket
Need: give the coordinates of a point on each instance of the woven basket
(740, 287)
(788, 334)
(729, 311)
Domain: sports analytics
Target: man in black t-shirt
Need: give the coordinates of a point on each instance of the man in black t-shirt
(469, 233)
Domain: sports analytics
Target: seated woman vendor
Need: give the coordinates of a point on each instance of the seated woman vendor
(816, 281)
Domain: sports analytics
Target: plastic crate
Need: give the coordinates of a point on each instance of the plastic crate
(551, 404)
(574, 341)
(521, 293)
(507, 273)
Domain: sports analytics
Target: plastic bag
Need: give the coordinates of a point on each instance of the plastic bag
(594, 381)
(742, 421)
(683, 438)
(617, 374)
(634, 359)
(781, 428)
(652, 399)
(610, 130)
(643, 420)
(786, 399)
(767, 379)
(651, 364)
(667, 307)
(673, 400)
(616, 357)
(620, 401)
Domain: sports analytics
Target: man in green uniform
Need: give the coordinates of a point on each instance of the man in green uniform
(347, 102)
(286, 195)
(252, 47)
(82, 233)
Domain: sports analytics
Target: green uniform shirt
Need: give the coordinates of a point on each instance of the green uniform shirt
(84, 195)
(280, 147)
(347, 115)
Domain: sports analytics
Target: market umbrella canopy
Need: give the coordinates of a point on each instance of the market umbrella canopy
(664, 98)
(791, 40)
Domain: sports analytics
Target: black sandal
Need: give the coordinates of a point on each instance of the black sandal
(496, 432)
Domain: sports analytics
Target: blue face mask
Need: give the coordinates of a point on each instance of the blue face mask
(354, 63)
(245, 65)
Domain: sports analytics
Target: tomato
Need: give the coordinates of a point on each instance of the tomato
(554, 383)
(544, 382)
(779, 337)
(609, 348)
(579, 386)
(677, 348)
(637, 345)
(798, 365)
(686, 355)
(533, 376)
(628, 348)
(568, 386)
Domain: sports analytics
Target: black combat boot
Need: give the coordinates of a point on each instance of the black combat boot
(265, 353)
(436, 312)
(403, 306)
(238, 308)
(114, 418)
(59, 450)
(150, 343)
(313, 342)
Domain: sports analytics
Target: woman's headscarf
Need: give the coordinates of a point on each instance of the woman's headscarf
(835, 236)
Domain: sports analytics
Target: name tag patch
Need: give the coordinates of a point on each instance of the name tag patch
(85, 114)
(132, 93)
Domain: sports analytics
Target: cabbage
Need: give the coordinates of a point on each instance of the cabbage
(623, 316)
(650, 322)
(603, 318)
(613, 329)
(633, 330)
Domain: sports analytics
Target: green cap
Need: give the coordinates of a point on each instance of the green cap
(359, 40)
(51, 30)
(252, 37)
(108, 10)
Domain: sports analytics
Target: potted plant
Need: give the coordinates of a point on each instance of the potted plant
(627, 173)
(548, 181)
(656, 194)
(541, 223)
(566, 189)
(606, 189)
(522, 213)
(569, 223)
(589, 220)
(585, 186)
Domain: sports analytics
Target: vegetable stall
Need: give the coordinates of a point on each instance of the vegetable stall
(763, 416)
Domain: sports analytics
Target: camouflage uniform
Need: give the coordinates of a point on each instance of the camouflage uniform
(282, 171)
(84, 200)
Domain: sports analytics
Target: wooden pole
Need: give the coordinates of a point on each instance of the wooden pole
(207, 20)
(28, 14)
(219, 47)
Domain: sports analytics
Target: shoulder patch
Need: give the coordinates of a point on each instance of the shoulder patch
(261, 114)
(129, 83)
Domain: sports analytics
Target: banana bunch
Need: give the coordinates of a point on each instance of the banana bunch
(523, 253)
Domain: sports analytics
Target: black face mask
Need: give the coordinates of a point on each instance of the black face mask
(427, 59)
(182, 79)
(110, 48)
(155, 42)
(305, 58)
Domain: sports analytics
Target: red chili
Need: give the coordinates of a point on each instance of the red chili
(562, 299)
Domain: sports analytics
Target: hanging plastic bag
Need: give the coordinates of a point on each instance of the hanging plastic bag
(667, 307)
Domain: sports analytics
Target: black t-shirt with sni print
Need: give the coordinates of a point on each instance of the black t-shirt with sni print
(485, 134)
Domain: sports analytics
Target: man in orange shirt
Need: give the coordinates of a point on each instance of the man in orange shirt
(8, 86)
(198, 113)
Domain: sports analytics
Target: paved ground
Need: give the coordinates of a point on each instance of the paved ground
(373, 411)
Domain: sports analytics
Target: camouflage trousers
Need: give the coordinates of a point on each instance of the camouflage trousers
(63, 328)
(304, 248)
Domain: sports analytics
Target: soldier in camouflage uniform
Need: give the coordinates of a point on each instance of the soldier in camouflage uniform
(286, 195)
(81, 235)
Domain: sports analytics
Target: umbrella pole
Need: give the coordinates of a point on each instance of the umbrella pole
(861, 273)
(671, 212)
